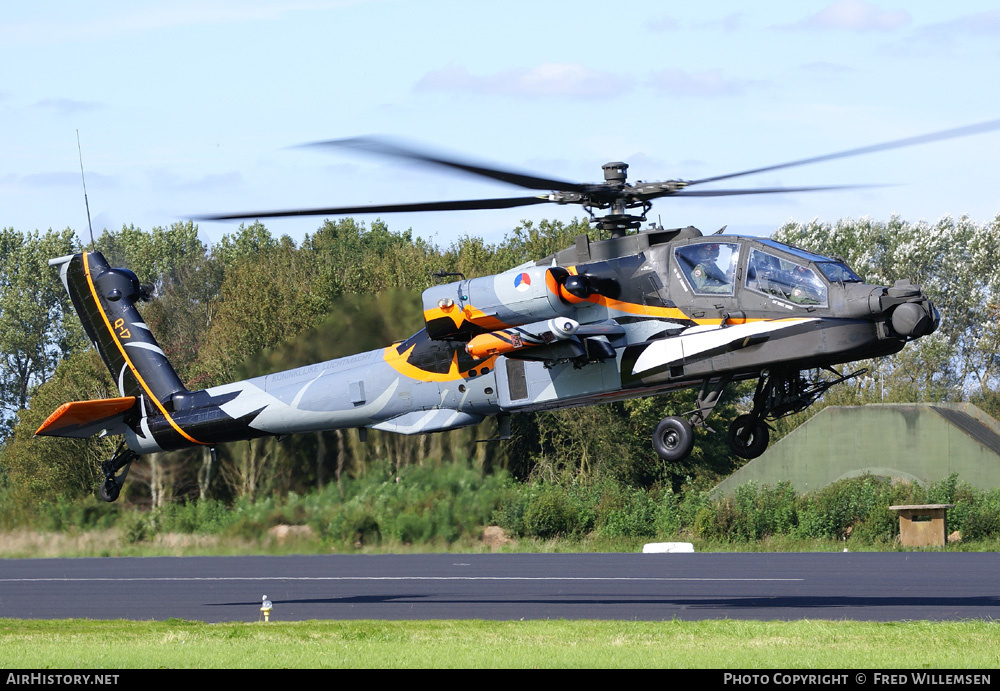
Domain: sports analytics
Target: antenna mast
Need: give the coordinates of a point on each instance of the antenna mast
(86, 203)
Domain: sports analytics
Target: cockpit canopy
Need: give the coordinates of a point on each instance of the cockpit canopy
(773, 269)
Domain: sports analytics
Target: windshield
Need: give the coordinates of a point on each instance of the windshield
(838, 272)
(785, 279)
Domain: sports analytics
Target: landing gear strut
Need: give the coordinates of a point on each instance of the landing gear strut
(121, 460)
(779, 393)
(674, 436)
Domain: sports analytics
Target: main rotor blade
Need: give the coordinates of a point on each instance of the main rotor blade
(461, 205)
(763, 190)
(385, 148)
(966, 131)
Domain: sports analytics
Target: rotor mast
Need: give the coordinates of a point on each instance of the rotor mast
(618, 221)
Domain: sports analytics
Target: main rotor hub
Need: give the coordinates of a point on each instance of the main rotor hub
(615, 172)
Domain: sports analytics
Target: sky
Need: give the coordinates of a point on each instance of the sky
(186, 108)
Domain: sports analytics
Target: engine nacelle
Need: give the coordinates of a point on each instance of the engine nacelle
(464, 309)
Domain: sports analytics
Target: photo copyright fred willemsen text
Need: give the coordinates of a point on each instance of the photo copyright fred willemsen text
(875, 678)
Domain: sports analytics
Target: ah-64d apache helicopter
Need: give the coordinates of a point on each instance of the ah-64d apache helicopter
(639, 313)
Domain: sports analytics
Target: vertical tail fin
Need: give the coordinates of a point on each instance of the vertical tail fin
(105, 299)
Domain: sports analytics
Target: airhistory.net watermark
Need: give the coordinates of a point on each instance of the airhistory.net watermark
(48, 679)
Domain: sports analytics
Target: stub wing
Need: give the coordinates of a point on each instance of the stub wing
(81, 419)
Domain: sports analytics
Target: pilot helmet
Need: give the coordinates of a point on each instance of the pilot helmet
(709, 250)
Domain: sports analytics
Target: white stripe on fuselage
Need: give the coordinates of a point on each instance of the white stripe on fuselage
(145, 346)
(277, 417)
(702, 338)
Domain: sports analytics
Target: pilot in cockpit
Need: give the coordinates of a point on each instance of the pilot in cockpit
(707, 276)
(762, 270)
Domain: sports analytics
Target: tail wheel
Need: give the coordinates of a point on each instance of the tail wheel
(110, 490)
(748, 443)
(121, 461)
(673, 438)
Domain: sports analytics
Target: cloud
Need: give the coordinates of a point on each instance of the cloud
(662, 23)
(980, 25)
(823, 67)
(559, 79)
(706, 83)
(67, 106)
(855, 15)
(967, 34)
(729, 23)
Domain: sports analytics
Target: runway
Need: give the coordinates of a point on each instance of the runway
(893, 586)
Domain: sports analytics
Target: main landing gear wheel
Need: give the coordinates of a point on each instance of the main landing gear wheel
(673, 438)
(748, 443)
(110, 490)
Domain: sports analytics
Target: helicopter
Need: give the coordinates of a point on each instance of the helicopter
(637, 312)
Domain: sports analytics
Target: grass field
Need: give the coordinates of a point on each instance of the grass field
(730, 644)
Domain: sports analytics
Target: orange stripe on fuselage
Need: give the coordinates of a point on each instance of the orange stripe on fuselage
(626, 307)
(642, 310)
(128, 360)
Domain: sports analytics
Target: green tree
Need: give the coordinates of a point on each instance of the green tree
(155, 256)
(37, 325)
(354, 259)
(253, 240)
(51, 468)
(955, 262)
(266, 296)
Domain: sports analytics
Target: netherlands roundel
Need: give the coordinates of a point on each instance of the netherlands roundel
(522, 282)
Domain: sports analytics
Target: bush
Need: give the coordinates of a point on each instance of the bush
(980, 520)
(628, 512)
(420, 504)
(355, 524)
(61, 514)
(856, 507)
(976, 514)
(206, 517)
(551, 511)
(137, 527)
(445, 503)
(751, 514)
(667, 516)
